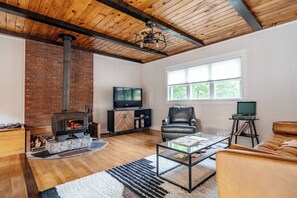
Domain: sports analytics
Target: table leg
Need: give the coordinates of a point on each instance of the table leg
(157, 152)
(253, 123)
(190, 173)
(237, 123)
(232, 132)
(252, 133)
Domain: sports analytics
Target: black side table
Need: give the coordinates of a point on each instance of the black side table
(251, 126)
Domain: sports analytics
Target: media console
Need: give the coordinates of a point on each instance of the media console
(128, 120)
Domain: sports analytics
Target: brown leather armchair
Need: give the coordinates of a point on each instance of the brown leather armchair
(268, 170)
(180, 121)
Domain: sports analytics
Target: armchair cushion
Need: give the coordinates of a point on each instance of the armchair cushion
(181, 114)
(178, 128)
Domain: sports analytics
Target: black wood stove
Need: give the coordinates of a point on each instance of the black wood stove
(68, 124)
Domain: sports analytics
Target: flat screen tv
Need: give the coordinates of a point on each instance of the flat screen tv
(126, 97)
(246, 108)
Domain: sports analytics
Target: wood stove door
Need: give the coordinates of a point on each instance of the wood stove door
(123, 120)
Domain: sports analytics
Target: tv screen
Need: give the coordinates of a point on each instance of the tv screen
(124, 97)
(246, 108)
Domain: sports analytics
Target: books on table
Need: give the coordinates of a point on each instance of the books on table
(243, 128)
(189, 140)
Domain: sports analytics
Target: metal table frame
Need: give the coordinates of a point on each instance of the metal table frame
(189, 165)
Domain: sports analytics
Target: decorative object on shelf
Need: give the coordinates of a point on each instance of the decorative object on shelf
(141, 120)
(149, 38)
(136, 124)
(11, 126)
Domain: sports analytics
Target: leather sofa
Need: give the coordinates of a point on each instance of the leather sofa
(180, 121)
(268, 170)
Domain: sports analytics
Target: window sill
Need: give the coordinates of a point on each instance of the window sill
(217, 101)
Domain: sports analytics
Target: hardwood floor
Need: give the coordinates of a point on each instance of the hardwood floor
(12, 181)
(121, 149)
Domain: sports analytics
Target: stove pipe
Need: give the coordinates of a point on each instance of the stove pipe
(66, 70)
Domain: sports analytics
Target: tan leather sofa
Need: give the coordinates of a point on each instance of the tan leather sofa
(268, 170)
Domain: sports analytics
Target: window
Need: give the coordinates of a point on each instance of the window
(215, 80)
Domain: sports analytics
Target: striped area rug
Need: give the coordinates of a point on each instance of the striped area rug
(138, 179)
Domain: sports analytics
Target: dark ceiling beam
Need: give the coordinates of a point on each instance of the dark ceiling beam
(245, 11)
(140, 15)
(34, 38)
(74, 28)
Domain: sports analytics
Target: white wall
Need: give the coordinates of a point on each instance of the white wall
(269, 77)
(12, 79)
(109, 73)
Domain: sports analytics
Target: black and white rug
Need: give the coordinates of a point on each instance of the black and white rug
(138, 179)
(96, 145)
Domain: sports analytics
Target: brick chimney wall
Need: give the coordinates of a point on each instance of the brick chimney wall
(44, 82)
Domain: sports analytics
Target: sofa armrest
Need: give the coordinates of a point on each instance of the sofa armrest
(166, 121)
(285, 127)
(250, 174)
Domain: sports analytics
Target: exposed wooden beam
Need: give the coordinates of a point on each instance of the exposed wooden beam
(245, 11)
(138, 14)
(34, 38)
(71, 27)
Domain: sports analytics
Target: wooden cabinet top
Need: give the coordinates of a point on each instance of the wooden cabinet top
(11, 129)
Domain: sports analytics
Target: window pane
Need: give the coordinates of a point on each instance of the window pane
(198, 74)
(200, 91)
(178, 92)
(176, 77)
(226, 69)
(227, 89)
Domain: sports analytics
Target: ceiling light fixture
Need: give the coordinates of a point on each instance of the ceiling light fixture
(149, 38)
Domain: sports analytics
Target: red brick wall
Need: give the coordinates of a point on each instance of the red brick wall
(44, 82)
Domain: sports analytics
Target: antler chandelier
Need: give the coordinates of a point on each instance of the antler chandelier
(149, 38)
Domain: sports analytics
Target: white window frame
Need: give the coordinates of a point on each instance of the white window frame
(208, 62)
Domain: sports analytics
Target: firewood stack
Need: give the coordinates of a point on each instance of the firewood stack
(38, 142)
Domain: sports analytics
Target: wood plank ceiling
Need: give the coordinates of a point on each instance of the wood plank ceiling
(208, 21)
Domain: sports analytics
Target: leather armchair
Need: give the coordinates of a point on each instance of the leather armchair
(181, 121)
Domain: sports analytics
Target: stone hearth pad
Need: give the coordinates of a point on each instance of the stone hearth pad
(56, 147)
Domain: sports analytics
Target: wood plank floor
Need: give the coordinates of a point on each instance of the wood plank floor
(121, 149)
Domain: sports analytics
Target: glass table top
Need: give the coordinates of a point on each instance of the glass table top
(203, 140)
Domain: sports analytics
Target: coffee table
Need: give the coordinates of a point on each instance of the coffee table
(206, 149)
